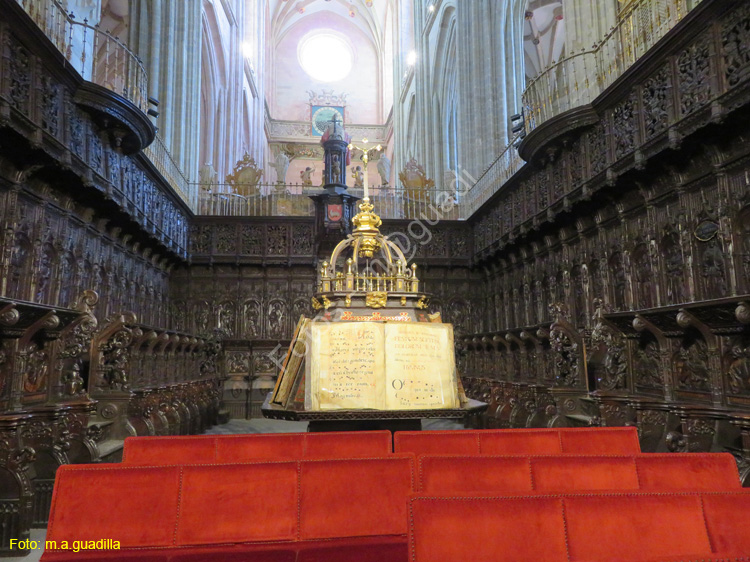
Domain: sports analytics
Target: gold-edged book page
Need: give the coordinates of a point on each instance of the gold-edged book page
(420, 367)
(289, 368)
(348, 370)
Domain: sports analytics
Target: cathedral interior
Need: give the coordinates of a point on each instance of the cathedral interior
(572, 179)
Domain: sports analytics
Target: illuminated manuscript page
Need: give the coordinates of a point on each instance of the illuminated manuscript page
(420, 367)
(347, 365)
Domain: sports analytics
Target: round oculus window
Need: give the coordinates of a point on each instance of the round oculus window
(325, 57)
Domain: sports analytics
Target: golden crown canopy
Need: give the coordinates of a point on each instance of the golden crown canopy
(367, 261)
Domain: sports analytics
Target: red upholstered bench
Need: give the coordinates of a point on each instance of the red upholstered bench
(308, 510)
(606, 527)
(595, 441)
(485, 474)
(202, 449)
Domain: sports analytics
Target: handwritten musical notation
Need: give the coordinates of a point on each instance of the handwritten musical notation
(382, 366)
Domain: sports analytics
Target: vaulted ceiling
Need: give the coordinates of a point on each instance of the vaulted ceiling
(544, 35)
(370, 19)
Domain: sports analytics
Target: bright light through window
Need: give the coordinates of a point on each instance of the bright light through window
(325, 57)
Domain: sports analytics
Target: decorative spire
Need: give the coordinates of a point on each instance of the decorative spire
(367, 229)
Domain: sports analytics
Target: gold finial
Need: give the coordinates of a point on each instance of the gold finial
(366, 228)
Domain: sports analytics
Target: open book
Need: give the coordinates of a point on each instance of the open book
(381, 366)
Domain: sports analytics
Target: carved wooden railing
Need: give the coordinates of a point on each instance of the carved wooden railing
(681, 374)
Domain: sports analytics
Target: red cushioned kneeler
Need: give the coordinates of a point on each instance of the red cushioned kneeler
(615, 528)
(104, 556)
(688, 471)
(260, 447)
(354, 497)
(226, 449)
(343, 445)
(134, 505)
(448, 475)
(237, 503)
(534, 442)
(583, 473)
(348, 508)
(458, 442)
(600, 441)
(153, 451)
(363, 549)
(726, 519)
(237, 553)
(443, 530)
(581, 441)
(603, 527)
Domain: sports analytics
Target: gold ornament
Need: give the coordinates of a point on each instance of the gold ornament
(376, 299)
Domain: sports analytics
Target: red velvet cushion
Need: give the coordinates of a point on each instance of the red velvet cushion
(268, 446)
(358, 497)
(365, 549)
(704, 557)
(237, 553)
(457, 442)
(688, 472)
(237, 503)
(487, 529)
(620, 528)
(101, 556)
(134, 505)
(444, 475)
(523, 442)
(568, 474)
(162, 451)
(726, 518)
(600, 441)
(350, 444)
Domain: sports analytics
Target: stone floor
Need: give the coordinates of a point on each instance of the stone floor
(230, 428)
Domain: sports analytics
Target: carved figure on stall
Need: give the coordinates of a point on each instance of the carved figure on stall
(712, 268)
(35, 378)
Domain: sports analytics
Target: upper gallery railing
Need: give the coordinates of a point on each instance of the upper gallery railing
(494, 177)
(580, 77)
(97, 55)
(293, 200)
(162, 160)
